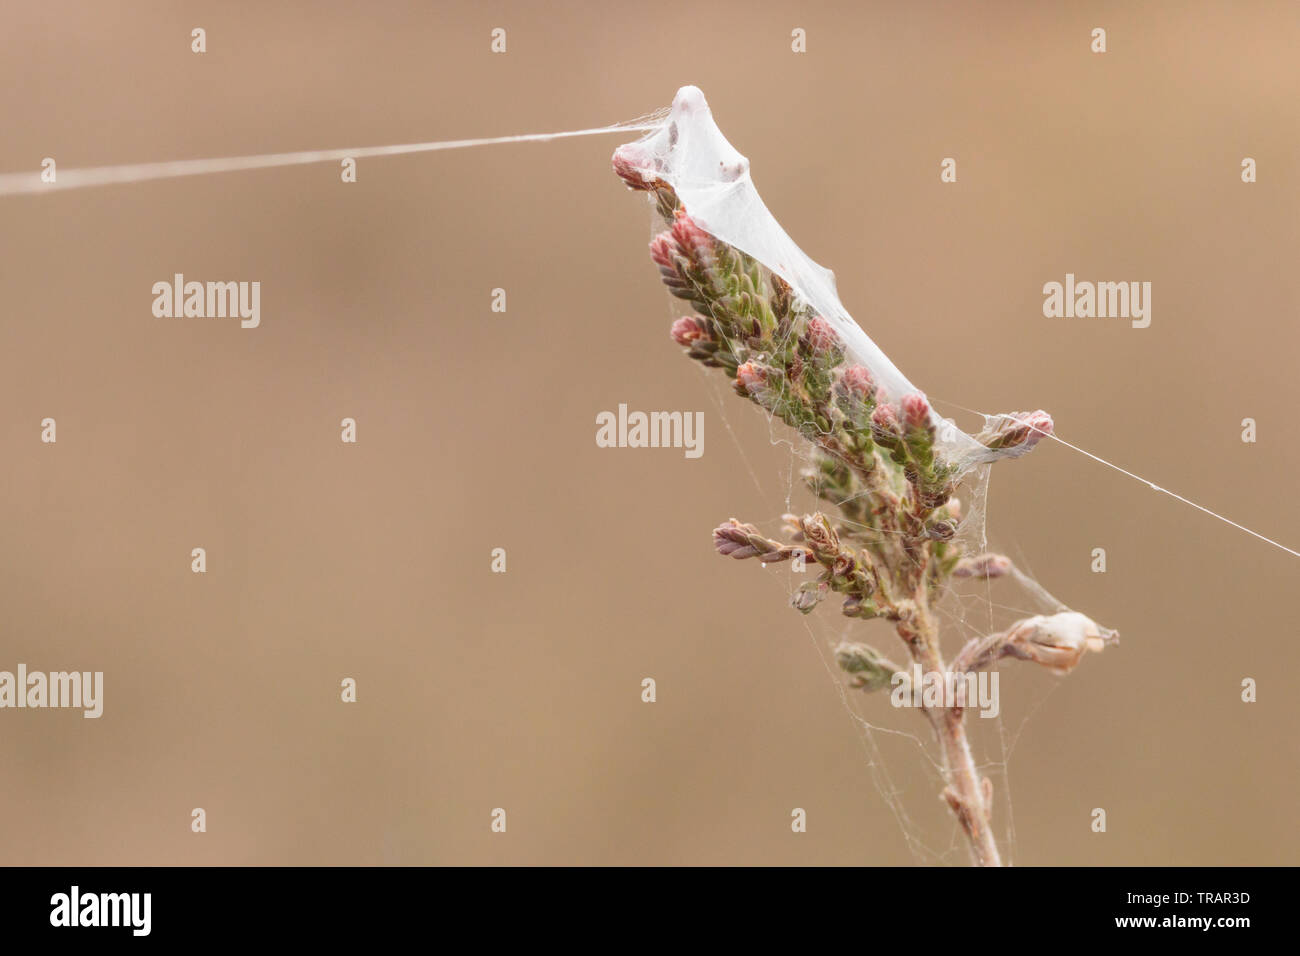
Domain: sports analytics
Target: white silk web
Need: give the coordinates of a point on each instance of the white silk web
(712, 179)
(688, 151)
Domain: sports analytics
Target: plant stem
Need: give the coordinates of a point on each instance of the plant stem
(967, 794)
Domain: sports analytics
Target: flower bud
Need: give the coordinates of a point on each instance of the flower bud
(663, 250)
(1015, 433)
(735, 540)
(821, 338)
(941, 530)
(819, 534)
(916, 411)
(856, 606)
(690, 238)
(884, 422)
(808, 596)
(857, 381)
(750, 378)
(870, 671)
(983, 566)
(628, 162)
(688, 329)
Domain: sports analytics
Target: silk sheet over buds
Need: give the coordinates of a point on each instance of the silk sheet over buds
(712, 180)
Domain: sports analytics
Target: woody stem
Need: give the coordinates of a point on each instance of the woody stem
(966, 793)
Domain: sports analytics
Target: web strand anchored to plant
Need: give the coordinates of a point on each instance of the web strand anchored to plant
(29, 183)
(1150, 484)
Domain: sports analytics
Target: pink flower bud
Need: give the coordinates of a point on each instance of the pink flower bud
(885, 418)
(1015, 433)
(821, 337)
(858, 382)
(663, 249)
(687, 329)
(628, 162)
(689, 236)
(1038, 425)
(750, 377)
(983, 567)
(916, 410)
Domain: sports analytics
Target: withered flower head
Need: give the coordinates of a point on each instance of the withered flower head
(1058, 641)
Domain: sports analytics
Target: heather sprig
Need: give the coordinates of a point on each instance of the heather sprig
(894, 547)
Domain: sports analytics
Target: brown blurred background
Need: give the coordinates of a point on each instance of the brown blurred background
(476, 430)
